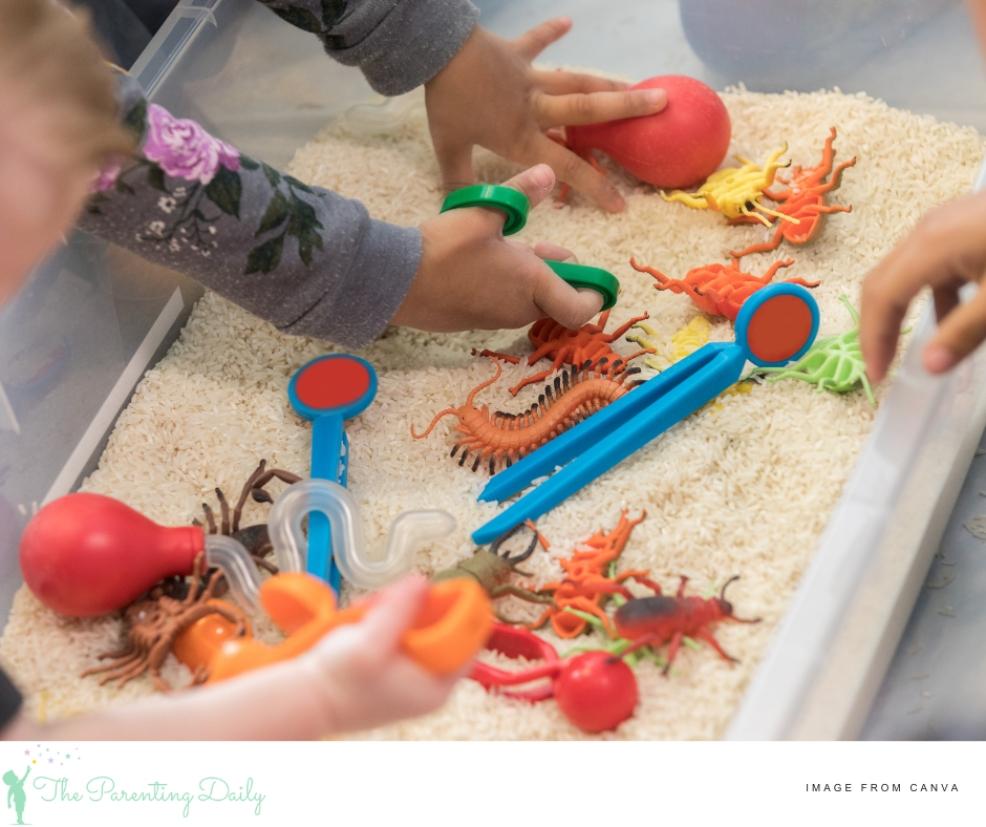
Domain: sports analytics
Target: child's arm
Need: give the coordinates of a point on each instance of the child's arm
(27, 772)
(309, 260)
(355, 679)
(945, 251)
(481, 89)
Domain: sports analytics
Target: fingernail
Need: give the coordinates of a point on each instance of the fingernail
(938, 358)
(655, 97)
(542, 175)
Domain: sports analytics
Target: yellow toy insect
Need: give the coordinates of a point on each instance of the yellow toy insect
(736, 191)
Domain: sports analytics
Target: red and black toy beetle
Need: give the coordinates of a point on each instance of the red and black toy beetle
(654, 621)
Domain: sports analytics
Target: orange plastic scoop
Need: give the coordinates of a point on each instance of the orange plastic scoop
(451, 628)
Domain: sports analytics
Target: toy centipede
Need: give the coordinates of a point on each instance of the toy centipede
(494, 437)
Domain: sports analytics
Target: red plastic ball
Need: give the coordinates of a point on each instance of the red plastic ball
(596, 691)
(678, 147)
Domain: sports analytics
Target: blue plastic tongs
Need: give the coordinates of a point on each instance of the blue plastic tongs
(776, 325)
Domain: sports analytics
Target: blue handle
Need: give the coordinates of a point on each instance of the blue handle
(667, 400)
(328, 442)
(568, 445)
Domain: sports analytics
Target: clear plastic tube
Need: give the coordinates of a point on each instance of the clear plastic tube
(362, 566)
(384, 115)
(235, 561)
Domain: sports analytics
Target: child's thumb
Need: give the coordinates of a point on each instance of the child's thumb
(393, 611)
(535, 182)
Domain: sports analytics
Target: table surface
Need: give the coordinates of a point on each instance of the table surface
(935, 687)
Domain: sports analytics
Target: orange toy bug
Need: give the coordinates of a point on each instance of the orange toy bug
(564, 346)
(586, 583)
(654, 621)
(494, 437)
(719, 289)
(803, 201)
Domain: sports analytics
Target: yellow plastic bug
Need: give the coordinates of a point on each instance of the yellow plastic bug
(736, 191)
(684, 342)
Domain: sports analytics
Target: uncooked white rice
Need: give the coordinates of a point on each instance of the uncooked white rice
(743, 487)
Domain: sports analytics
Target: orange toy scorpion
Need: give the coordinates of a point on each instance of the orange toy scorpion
(586, 583)
(803, 201)
(719, 289)
(494, 437)
(590, 343)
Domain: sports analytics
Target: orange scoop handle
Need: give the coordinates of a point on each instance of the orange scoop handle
(450, 629)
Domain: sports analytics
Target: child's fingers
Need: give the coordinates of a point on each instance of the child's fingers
(887, 293)
(960, 333)
(560, 82)
(455, 163)
(535, 182)
(598, 107)
(558, 299)
(575, 172)
(534, 41)
(546, 249)
(946, 299)
(393, 612)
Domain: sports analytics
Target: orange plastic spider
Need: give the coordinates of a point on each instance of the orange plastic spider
(802, 201)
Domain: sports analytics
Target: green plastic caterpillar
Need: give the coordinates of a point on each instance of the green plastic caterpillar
(834, 363)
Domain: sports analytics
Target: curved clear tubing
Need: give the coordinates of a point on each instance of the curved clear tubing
(358, 565)
(365, 567)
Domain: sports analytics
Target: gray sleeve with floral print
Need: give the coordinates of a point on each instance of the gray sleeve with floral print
(398, 44)
(308, 260)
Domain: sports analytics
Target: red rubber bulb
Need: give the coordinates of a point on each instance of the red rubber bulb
(85, 554)
(678, 147)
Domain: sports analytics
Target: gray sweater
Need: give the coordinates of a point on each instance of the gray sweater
(304, 258)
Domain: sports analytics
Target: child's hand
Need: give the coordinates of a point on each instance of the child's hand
(363, 678)
(471, 277)
(946, 250)
(489, 95)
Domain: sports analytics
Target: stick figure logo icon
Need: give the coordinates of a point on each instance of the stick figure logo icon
(16, 795)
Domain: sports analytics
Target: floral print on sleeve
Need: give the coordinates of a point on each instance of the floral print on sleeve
(306, 259)
(207, 174)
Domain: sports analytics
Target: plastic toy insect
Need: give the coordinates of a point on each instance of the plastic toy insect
(834, 363)
(802, 201)
(585, 582)
(493, 571)
(684, 342)
(255, 538)
(654, 621)
(501, 437)
(564, 346)
(736, 191)
(719, 289)
(154, 623)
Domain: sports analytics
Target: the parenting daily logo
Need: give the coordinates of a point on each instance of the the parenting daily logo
(41, 779)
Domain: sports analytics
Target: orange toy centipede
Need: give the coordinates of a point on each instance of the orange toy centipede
(586, 583)
(564, 346)
(498, 436)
